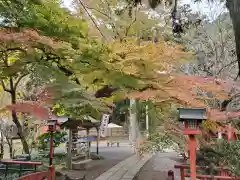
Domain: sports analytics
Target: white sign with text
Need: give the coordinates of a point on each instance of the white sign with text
(104, 124)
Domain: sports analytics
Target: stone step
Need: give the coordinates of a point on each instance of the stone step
(125, 170)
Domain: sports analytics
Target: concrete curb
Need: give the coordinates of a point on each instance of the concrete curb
(126, 169)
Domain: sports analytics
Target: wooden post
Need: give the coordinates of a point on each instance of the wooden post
(69, 151)
(51, 149)
(182, 174)
(52, 172)
(170, 175)
(229, 133)
(97, 140)
(88, 144)
(192, 150)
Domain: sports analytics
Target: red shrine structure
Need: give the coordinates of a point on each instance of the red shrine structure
(192, 119)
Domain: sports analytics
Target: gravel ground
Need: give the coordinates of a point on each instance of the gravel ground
(158, 166)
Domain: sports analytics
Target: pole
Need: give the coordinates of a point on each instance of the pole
(51, 169)
(170, 175)
(229, 137)
(192, 150)
(69, 150)
(97, 140)
(51, 148)
(147, 121)
(88, 145)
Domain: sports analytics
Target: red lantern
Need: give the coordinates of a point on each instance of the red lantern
(192, 119)
(51, 128)
(52, 125)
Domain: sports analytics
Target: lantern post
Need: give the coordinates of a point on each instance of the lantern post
(192, 119)
(51, 128)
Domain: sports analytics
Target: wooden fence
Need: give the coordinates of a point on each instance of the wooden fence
(222, 174)
(48, 175)
(21, 167)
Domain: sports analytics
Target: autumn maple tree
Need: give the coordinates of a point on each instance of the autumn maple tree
(66, 68)
(21, 53)
(36, 50)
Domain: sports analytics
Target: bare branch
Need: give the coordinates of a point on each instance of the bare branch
(13, 49)
(18, 80)
(85, 9)
(133, 21)
(4, 87)
(91, 8)
(229, 64)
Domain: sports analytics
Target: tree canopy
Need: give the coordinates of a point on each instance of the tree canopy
(83, 62)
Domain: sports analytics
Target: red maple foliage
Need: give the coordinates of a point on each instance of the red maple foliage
(30, 42)
(38, 106)
(32, 108)
(181, 89)
(184, 90)
(217, 115)
(30, 39)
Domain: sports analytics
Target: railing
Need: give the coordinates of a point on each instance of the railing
(223, 174)
(49, 175)
(36, 176)
(23, 170)
(19, 167)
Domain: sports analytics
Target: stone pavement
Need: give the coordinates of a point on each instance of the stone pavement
(125, 170)
(158, 166)
(112, 156)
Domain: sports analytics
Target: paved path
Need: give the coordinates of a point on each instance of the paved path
(125, 170)
(112, 156)
(158, 166)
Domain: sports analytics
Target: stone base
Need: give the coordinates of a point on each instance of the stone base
(81, 165)
(78, 158)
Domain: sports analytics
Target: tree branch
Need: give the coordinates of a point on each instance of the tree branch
(18, 80)
(229, 64)
(110, 15)
(4, 87)
(98, 11)
(85, 9)
(130, 25)
(13, 49)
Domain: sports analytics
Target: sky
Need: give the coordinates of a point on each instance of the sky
(212, 10)
(209, 9)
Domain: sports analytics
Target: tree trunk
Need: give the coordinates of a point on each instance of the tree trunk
(16, 121)
(20, 132)
(9, 142)
(234, 10)
(2, 145)
(134, 131)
